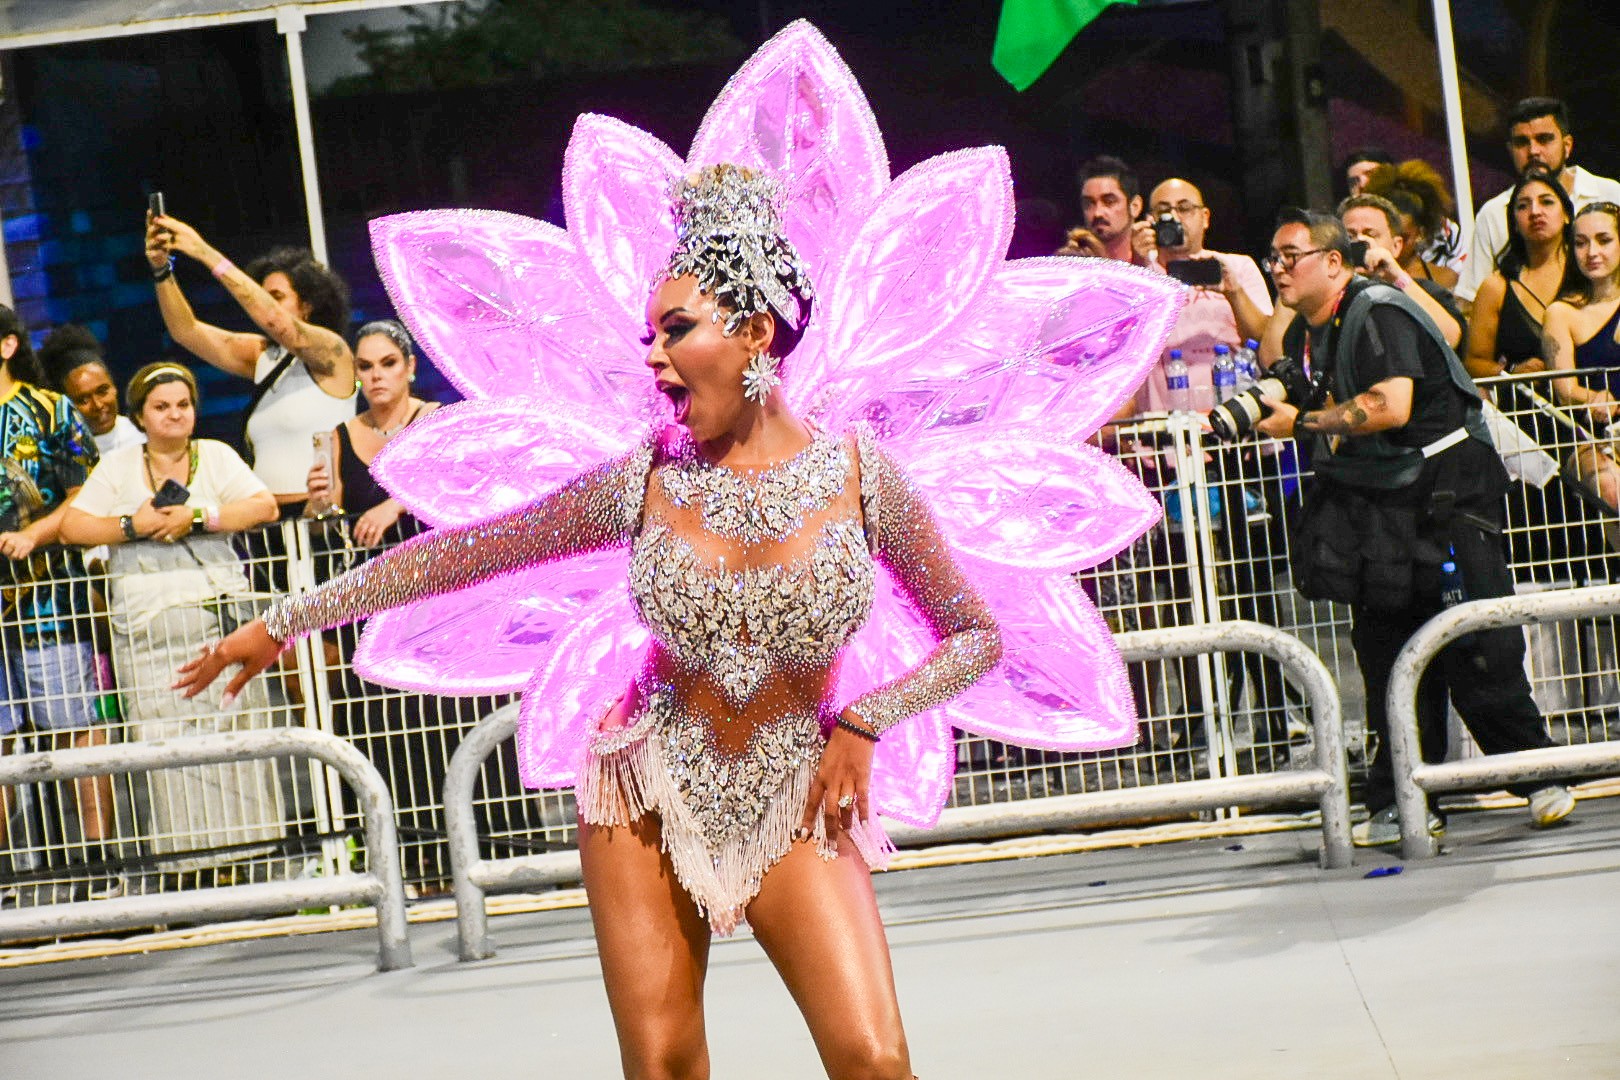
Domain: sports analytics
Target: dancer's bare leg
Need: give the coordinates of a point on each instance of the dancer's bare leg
(654, 948)
(818, 922)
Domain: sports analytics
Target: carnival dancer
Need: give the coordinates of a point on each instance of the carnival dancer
(731, 773)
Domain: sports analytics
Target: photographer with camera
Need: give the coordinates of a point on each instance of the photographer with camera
(1406, 500)
(1378, 249)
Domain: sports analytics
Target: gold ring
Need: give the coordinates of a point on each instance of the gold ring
(845, 802)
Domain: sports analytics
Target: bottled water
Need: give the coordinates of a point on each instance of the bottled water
(1225, 374)
(1178, 386)
(1247, 360)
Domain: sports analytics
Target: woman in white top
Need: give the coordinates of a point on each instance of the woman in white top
(169, 598)
(76, 368)
(303, 367)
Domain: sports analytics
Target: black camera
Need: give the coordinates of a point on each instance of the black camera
(1167, 231)
(1285, 381)
(1358, 253)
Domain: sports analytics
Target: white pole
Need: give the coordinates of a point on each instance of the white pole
(1456, 133)
(290, 24)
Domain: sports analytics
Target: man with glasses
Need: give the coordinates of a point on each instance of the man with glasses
(1406, 480)
(1538, 138)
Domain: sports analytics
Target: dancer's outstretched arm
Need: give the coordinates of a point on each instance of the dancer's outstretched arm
(597, 509)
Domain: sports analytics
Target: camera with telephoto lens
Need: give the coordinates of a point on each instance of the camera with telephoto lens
(1285, 381)
(1167, 231)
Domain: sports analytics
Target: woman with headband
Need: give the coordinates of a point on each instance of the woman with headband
(754, 542)
(188, 495)
(301, 367)
(386, 366)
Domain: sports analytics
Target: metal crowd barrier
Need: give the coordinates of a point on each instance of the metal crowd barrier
(379, 885)
(1325, 784)
(1414, 778)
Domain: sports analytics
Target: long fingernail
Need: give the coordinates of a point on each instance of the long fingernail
(228, 700)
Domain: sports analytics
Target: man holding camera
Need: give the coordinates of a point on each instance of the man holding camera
(1172, 240)
(1408, 492)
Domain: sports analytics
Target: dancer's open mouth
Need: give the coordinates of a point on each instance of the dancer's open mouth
(680, 397)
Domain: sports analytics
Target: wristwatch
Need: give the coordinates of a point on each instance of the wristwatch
(199, 519)
(127, 523)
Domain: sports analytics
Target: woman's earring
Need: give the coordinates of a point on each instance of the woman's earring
(760, 377)
(357, 384)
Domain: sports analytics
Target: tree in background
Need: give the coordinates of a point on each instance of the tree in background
(456, 46)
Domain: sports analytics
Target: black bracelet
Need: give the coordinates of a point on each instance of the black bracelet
(850, 726)
(165, 272)
(127, 524)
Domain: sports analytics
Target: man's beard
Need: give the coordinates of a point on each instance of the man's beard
(1557, 170)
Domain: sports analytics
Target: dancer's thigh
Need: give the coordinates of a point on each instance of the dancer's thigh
(654, 948)
(818, 921)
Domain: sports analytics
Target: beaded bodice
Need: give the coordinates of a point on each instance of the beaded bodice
(734, 583)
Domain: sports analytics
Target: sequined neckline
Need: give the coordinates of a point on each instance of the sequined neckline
(754, 504)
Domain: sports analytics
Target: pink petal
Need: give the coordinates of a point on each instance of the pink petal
(912, 770)
(489, 639)
(591, 666)
(794, 110)
(503, 305)
(475, 459)
(1061, 684)
(1053, 340)
(921, 260)
(616, 181)
(1026, 499)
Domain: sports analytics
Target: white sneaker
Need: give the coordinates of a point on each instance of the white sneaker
(1384, 827)
(1550, 805)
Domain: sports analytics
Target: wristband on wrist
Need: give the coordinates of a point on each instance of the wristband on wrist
(164, 272)
(211, 519)
(127, 524)
(1403, 281)
(857, 729)
(224, 265)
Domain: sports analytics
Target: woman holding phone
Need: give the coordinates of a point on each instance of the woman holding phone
(187, 494)
(302, 369)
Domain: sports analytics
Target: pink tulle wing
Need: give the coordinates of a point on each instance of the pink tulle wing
(917, 265)
(591, 666)
(616, 181)
(794, 110)
(1059, 341)
(1061, 684)
(472, 460)
(1021, 498)
(488, 639)
(503, 304)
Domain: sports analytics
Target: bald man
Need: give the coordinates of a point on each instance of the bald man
(1219, 315)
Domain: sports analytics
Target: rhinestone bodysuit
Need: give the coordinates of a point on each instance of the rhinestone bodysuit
(750, 581)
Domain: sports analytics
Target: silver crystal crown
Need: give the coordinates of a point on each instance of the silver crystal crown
(729, 236)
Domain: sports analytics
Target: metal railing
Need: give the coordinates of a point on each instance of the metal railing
(380, 884)
(1325, 784)
(1413, 777)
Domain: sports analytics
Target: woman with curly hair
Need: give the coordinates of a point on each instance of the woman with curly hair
(302, 367)
(1433, 241)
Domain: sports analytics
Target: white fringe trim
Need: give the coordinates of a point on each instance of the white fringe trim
(618, 788)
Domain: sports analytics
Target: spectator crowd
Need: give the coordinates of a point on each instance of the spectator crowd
(119, 528)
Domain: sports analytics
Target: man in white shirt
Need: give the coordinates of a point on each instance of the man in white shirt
(1538, 136)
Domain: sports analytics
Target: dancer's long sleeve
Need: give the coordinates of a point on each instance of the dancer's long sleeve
(909, 544)
(597, 509)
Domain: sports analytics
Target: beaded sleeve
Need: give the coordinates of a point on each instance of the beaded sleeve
(908, 542)
(597, 509)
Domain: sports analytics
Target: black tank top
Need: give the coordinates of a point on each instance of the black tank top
(360, 491)
(1518, 333)
(1601, 351)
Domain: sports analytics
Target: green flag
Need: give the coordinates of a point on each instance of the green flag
(1034, 33)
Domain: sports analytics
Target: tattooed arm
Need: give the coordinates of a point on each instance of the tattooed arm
(1384, 407)
(1558, 345)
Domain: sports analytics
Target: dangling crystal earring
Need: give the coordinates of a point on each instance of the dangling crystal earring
(760, 377)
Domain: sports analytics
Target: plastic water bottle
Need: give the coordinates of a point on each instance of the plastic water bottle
(1225, 374)
(1248, 364)
(1177, 384)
